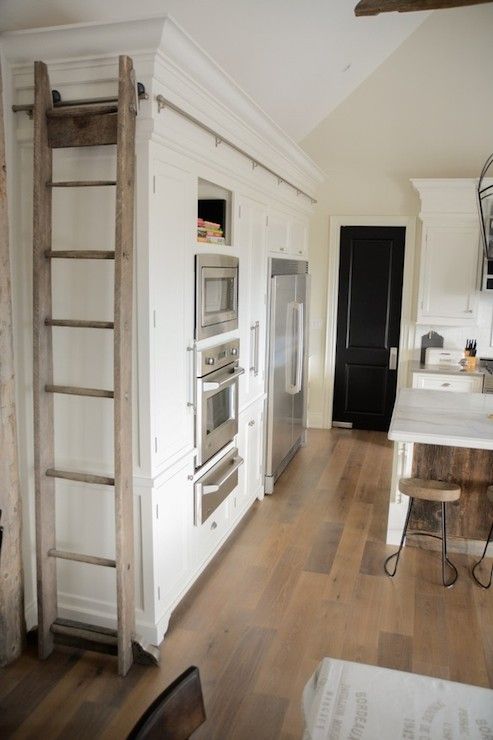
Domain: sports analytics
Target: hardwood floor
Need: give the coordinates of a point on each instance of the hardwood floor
(301, 579)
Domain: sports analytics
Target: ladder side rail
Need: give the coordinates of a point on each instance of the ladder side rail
(44, 452)
(124, 229)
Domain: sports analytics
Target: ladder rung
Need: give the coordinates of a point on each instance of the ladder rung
(80, 184)
(102, 480)
(79, 324)
(84, 636)
(77, 557)
(72, 390)
(84, 631)
(66, 111)
(79, 254)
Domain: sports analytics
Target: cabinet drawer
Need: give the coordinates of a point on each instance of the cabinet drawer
(454, 383)
(206, 536)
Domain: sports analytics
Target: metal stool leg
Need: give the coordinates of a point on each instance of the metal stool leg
(444, 551)
(483, 585)
(397, 554)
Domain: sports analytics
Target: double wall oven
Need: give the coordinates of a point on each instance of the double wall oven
(216, 385)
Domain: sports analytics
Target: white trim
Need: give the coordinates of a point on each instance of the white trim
(405, 339)
(315, 420)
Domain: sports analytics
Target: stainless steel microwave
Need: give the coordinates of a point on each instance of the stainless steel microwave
(216, 294)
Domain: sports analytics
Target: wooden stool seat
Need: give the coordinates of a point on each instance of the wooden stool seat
(431, 490)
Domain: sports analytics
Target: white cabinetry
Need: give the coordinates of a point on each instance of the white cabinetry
(253, 302)
(450, 253)
(444, 382)
(177, 160)
(277, 231)
(298, 237)
(172, 217)
(173, 512)
(250, 447)
(287, 233)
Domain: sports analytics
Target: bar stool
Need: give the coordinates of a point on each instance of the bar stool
(489, 493)
(427, 490)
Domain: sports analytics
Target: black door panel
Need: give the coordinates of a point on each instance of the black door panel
(368, 324)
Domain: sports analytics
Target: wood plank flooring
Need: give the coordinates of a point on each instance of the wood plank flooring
(301, 579)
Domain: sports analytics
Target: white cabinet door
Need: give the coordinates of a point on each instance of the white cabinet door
(253, 298)
(298, 238)
(278, 225)
(173, 502)
(171, 277)
(250, 447)
(449, 274)
(443, 382)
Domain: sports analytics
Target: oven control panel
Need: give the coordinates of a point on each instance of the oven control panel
(214, 358)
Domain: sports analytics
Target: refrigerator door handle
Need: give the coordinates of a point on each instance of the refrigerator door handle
(299, 356)
(294, 343)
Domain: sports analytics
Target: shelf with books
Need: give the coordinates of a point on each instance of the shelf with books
(213, 214)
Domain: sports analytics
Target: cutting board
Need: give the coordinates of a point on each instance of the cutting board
(430, 339)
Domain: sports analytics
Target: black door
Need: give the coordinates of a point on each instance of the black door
(368, 325)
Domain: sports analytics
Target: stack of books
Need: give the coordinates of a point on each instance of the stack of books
(209, 232)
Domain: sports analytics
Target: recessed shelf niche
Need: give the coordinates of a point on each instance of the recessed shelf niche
(213, 214)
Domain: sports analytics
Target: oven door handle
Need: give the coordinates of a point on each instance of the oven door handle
(218, 384)
(214, 488)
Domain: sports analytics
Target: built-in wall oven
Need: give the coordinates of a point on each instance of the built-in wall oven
(216, 421)
(216, 294)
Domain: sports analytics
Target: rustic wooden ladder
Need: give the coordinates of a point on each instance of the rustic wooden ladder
(90, 124)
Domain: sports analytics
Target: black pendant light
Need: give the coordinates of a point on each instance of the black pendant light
(485, 206)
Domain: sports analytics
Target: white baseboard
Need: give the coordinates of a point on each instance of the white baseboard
(103, 614)
(315, 420)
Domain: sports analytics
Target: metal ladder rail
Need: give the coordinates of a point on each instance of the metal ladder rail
(85, 125)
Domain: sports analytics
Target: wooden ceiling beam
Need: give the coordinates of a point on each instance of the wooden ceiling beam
(375, 7)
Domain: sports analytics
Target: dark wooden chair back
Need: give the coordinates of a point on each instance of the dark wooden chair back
(176, 713)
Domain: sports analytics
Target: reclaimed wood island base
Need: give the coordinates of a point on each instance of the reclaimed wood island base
(449, 437)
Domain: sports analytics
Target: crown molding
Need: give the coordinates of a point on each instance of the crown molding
(169, 62)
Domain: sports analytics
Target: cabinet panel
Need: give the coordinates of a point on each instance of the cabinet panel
(298, 238)
(174, 523)
(250, 447)
(207, 536)
(253, 290)
(171, 276)
(449, 274)
(278, 232)
(439, 382)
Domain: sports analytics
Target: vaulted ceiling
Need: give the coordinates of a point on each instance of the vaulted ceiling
(298, 59)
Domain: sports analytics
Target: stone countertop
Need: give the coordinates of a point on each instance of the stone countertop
(418, 367)
(443, 418)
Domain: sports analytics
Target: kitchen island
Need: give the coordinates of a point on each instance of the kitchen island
(447, 436)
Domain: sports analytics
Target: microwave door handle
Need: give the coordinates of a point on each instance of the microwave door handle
(218, 384)
(299, 358)
(214, 487)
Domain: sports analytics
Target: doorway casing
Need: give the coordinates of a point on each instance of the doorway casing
(406, 339)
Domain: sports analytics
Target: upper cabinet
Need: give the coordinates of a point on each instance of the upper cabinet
(287, 234)
(450, 266)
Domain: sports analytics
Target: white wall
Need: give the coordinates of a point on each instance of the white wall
(426, 112)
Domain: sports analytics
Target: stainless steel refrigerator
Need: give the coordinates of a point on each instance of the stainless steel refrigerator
(287, 364)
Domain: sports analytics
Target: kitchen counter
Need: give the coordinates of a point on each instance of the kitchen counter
(441, 418)
(419, 367)
(448, 436)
